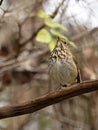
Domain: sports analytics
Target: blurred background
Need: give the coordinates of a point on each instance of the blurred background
(28, 31)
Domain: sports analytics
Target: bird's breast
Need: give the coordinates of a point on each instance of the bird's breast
(63, 72)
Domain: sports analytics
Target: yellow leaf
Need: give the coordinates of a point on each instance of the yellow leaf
(42, 14)
(53, 24)
(56, 33)
(52, 44)
(72, 44)
(43, 36)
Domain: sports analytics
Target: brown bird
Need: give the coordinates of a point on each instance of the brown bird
(63, 67)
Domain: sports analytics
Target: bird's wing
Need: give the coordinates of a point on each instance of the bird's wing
(79, 75)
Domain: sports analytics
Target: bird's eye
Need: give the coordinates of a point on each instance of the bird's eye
(65, 42)
(61, 40)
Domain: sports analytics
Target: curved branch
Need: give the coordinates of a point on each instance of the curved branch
(49, 99)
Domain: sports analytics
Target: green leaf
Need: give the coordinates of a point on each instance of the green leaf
(42, 14)
(52, 44)
(55, 33)
(72, 44)
(53, 24)
(43, 36)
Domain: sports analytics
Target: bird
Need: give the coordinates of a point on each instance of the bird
(63, 67)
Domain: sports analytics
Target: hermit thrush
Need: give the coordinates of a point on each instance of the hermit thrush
(63, 67)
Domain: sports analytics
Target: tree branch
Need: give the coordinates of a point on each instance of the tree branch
(49, 99)
(1, 2)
